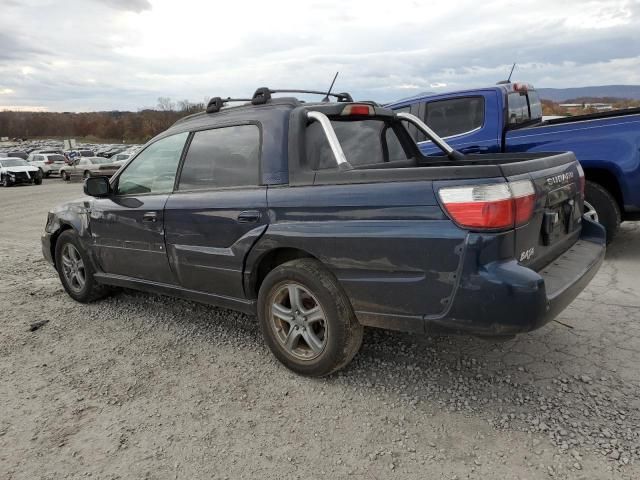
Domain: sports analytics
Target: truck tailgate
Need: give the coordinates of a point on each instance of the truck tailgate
(556, 221)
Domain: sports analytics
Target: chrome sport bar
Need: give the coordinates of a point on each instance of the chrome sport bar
(334, 143)
(431, 135)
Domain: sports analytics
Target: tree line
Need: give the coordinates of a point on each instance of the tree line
(555, 108)
(127, 127)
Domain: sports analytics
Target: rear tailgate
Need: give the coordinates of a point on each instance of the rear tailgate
(556, 221)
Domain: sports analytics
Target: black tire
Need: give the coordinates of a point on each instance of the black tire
(91, 290)
(38, 179)
(48, 174)
(5, 181)
(605, 206)
(65, 176)
(86, 174)
(342, 334)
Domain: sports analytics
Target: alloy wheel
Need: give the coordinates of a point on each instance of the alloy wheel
(298, 320)
(73, 268)
(590, 212)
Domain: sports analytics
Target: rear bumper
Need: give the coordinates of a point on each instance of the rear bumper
(505, 298)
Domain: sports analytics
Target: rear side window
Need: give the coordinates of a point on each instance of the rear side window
(222, 157)
(364, 142)
(455, 116)
(56, 158)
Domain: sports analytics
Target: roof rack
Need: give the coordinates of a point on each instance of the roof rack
(216, 103)
(263, 94)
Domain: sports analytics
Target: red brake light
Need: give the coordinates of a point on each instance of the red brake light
(355, 109)
(491, 206)
(522, 87)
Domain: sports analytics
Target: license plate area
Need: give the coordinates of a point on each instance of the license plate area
(559, 216)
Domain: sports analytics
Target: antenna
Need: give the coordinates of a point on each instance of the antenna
(508, 80)
(326, 97)
(511, 73)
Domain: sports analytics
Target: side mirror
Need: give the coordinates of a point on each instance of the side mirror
(97, 187)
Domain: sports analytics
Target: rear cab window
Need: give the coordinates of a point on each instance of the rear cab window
(222, 157)
(367, 142)
(523, 107)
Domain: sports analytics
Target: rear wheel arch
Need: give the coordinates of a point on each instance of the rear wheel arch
(272, 259)
(607, 180)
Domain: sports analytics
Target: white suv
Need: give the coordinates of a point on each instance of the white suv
(48, 163)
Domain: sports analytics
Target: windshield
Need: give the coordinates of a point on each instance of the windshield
(364, 142)
(13, 162)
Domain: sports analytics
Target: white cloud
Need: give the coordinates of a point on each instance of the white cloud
(115, 54)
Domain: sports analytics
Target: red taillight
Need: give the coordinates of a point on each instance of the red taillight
(355, 109)
(491, 206)
(582, 180)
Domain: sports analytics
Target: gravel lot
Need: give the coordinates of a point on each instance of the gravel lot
(140, 386)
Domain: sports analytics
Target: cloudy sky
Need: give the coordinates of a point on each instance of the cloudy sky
(79, 55)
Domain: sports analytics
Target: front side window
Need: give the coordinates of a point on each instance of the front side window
(154, 170)
(456, 116)
(222, 157)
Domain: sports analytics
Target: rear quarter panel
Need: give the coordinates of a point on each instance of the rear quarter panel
(389, 244)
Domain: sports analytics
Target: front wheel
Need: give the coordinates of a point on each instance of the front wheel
(75, 270)
(600, 206)
(5, 181)
(307, 320)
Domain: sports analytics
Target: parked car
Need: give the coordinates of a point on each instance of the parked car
(322, 218)
(48, 163)
(17, 154)
(88, 166)
(508, 118)
(121, 158)
(16, 170)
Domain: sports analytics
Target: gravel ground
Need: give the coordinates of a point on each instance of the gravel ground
(141, 386)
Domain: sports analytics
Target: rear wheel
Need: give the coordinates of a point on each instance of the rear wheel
(306, 318)
(65, 176)
(75, 270)
(600, 206)
(47, 174)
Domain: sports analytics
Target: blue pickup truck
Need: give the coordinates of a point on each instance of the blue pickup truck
(322, 218)
(508, 118)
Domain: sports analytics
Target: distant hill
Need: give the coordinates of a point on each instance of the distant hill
(601, 91)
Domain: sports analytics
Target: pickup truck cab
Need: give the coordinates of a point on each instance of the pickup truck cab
(323, 218)
(508, 118)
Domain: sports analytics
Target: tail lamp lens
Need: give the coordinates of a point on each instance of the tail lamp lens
(491, 206)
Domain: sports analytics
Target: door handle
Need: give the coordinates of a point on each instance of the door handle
(249, 216)
(474, 149)
(149, 217)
